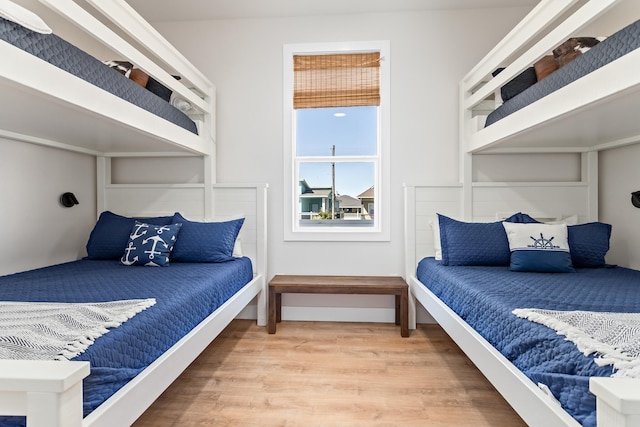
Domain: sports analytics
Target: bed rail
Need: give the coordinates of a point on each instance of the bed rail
(48, 393)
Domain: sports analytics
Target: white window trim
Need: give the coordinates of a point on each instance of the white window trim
(292, 230)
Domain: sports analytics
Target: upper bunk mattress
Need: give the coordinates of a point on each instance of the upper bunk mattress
(610, 49)
(185, 293)
(67, 57)
(486, 296)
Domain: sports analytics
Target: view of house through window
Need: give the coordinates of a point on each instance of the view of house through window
(336, 139)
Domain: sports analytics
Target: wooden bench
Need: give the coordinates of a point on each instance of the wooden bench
(372, 285)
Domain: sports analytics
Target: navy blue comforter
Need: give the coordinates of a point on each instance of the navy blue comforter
(485, 296)
(185, 294)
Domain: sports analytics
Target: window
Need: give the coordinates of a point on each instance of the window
(336, 141)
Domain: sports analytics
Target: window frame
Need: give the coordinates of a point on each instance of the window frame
(380, 231)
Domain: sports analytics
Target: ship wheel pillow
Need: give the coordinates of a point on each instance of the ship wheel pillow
(542, 248)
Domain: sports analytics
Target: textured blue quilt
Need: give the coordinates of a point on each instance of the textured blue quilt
(485, 296)
(186, 293)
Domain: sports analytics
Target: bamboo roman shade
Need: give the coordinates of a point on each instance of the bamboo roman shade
(339, 80)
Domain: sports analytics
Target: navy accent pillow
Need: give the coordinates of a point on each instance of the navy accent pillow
(111, 233)
(205, 241)
(542, 248)
(150, 244)
(541, 262)
(518, 84)
(522, 218)
(589, 243)
(473, 243)
(159, 89)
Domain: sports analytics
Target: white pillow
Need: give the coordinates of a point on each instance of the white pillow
(568, 220)
(542, 248)
(437, 246)
(237, 249)
(18, 14)
(180, 103)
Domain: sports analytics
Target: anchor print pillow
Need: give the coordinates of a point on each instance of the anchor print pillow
(542, 248)
(150, 244)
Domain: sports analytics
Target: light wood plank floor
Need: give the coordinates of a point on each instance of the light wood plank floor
(330, 374)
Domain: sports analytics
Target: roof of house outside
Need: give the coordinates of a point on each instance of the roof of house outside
(348, 202)
(367, 194)
(317, 192)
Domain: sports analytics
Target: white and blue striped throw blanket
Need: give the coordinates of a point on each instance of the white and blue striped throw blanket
(614, 338)
(59, 331)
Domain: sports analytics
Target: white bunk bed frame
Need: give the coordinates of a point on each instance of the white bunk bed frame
(65, 112)
(584, 117)
(50, 393)
(36, 109)
(618, 400)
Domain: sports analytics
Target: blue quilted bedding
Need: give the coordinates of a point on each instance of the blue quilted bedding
(185, 294)
(619, 44)
(485, 296)
(65, 56)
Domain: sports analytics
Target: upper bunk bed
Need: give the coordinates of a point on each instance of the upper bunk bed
(589, 104)
(56, 94)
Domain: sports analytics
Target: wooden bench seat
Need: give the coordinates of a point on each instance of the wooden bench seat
(372, 285)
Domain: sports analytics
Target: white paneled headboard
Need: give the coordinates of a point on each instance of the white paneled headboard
(489, 202)
(229, 201)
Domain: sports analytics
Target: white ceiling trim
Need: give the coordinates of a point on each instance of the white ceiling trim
(190, 10)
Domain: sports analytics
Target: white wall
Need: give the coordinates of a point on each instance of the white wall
(619, 177)
(36, 229)
(430, 52)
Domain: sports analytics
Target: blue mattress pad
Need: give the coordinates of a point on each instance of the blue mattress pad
(185, 293)
(484, 297)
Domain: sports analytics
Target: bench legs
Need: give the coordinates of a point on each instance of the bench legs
(401, 306)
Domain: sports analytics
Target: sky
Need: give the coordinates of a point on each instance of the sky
(355, 133)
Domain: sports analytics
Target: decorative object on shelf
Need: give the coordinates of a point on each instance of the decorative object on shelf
(68, 200)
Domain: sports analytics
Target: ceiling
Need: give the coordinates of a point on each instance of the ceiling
(187, 10)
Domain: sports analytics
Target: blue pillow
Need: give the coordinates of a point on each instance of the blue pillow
(111, 233)
(472, 243)
(476, 243)
(589, 244)
(542, 248)
(150, 244)
(205, 241)
(522, 218)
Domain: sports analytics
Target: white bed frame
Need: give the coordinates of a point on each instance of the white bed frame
(50, 393)
(618, 401)
(65, 112)
(594, 113)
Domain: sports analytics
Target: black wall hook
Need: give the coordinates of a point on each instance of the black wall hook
(68, 200)
(635, 199)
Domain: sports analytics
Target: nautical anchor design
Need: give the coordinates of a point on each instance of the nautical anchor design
(162, 229)
(136, 231)
(542, 243)
(125, 259)
(156, 240)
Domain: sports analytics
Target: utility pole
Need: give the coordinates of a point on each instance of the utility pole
(333, 183)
